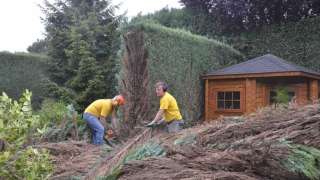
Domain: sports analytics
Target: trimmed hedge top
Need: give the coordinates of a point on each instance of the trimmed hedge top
(20, 71)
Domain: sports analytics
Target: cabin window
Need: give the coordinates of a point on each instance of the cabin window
(273, 94)
(228, 100)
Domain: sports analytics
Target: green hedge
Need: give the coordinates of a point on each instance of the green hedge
(20, 71)
(298, 42)
(179, 58)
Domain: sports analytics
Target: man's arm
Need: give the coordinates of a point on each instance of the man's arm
(114, 120)
(159, 116)
(103, 121)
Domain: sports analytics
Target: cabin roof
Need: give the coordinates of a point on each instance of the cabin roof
(264, 64)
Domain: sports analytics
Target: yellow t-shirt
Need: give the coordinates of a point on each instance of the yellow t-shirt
(171, 110)
(101, 107)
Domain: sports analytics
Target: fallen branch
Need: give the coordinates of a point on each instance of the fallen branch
(108, 164)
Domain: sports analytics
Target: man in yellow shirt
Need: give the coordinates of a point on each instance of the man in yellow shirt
(97, 112)
(168, 112)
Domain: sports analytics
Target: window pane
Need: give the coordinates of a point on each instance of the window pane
(228, 105)
(228, 100)
(236, 95)
(228, 95)
(236, 104)
(220, 104)
(221, 95)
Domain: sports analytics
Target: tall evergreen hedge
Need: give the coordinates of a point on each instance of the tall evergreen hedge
(298, 42)
(179, 58)
(20, 71)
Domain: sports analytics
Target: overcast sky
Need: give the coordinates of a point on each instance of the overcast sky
(21, 24)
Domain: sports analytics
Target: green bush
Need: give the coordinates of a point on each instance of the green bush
(33, 164)
(54, 91)
(17, 125)
(179, 58)
(52, 112)
(16, 119)
(60, 121)
(282, 95)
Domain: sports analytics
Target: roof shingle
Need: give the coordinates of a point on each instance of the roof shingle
(263, 64)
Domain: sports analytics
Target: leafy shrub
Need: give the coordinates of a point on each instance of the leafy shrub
(282, 95)
(60, 122)
(17, 123)
(54, 91)
(52, 112)
(33, 164)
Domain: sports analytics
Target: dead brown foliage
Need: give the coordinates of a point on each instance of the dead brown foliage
(242, 150)
(72, 158)
(135, 80)
(299, 125)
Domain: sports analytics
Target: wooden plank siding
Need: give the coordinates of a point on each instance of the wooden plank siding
(215, 86)
(255, 94)
(251, 95)
(314, 92)
(262, 96)
(206, 100)
(302, 93)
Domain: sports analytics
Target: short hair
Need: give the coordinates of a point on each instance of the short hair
(163, 85)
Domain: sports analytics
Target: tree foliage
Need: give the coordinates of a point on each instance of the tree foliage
(239, 15)
(40, 46)
(282, 95)
(173, 18)
(297, 42)
(183, 18)
(82, 43)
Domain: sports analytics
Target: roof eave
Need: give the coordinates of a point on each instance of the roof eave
(257, 75)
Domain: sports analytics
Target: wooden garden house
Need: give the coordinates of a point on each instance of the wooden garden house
(247, 86)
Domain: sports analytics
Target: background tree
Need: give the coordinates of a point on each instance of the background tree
(183, 18)
(239, 15)
(174, 18)
(40, 46)
(82, 42)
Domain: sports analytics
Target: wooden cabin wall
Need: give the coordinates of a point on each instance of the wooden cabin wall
(262, 95)
(251, 95)
(213, 86)
(314, 91)
(255, 94)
